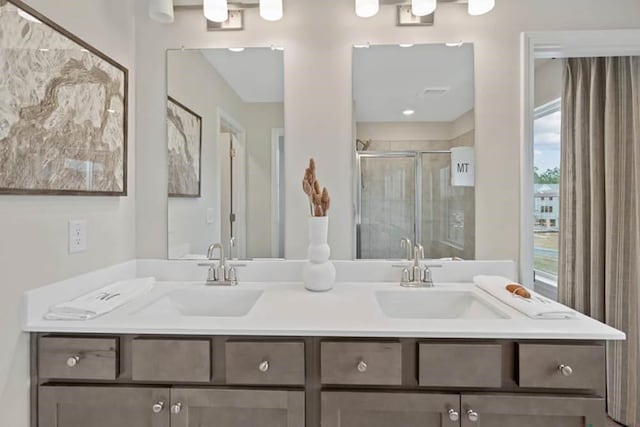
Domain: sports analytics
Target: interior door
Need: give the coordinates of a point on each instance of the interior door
(531, 411)
(103, 407)
(387, 200)
(237, 408)
(238, 158)
(364, 409)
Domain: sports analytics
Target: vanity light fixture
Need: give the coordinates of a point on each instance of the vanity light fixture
(480, 7)
(409, 112)
(367, 8)
(28, 17)
(423, 7)
(236, 49)
(271, 10)
(161, 11)
(216, 10)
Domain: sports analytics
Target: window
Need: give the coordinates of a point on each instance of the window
(546, 164)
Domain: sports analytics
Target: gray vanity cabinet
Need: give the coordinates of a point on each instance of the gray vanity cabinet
(531, 411)
(237, 408)
(368, 409)
(79, 406)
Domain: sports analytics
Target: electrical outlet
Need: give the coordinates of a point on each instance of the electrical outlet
(77, 236)
(211, 216)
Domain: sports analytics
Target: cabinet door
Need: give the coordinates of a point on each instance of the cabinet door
(531, 411)
(355, 409)
(102, 407)
(236, 408)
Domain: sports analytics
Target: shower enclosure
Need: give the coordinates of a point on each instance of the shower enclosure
(409, 194)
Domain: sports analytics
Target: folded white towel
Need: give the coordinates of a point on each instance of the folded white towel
(101, 301)
(537, 307)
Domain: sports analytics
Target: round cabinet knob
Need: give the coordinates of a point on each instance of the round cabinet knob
(73, 361)
(175, 409)
(157, 407)
(565, 370)
(264, 366)
(454, 415)
(362, 366)
(472, 415)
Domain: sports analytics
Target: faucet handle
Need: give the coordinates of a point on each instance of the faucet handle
(212, 274)
(232, 276)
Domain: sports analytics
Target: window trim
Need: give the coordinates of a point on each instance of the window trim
(554, 44)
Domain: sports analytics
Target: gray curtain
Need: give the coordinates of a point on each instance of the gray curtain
(599, 271)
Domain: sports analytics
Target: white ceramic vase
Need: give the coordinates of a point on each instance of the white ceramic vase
(319, 273)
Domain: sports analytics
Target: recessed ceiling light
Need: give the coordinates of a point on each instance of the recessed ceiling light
(362, 45)
(455, 44)
(236, 49)
(29, 17)
(405, 44)
(408, 112)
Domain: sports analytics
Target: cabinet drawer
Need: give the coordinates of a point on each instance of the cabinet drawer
(78, 358)
(539, 365)
(264, 363)
(171, 360)
(361, 363)
(460, 365)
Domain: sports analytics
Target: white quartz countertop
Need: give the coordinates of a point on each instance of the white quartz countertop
(349, 310)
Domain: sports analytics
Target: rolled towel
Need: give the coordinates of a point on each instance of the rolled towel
(536, 307)
(101, 301)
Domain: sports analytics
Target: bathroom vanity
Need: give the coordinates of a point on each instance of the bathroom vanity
(360, 355)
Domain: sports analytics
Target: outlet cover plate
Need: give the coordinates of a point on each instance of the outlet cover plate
(77, 236)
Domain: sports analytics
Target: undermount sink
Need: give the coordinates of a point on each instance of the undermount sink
(436, 304)
(204, 301)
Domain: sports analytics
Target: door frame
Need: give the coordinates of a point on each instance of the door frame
(554, 44)
(233, 126)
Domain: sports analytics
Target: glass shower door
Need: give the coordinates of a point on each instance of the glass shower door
(447, 211)
(387, 204)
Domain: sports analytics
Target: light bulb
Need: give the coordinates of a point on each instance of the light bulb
(161, 11)
(367, 8)
(480, 7)
(271, 10)
(423, 7)
(216, 10)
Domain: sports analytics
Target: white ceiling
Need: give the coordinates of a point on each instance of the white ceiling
(390, 79)
(256, 74)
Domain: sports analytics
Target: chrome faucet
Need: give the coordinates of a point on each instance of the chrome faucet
(220, 275)
(418, 275)
(405, 243)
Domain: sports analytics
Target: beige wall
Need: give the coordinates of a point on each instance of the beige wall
(33, 229)
(318, 103)
(196, 84)
(260, 119)
(548, 81)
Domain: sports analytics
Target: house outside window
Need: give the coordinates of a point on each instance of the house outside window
(546, 192)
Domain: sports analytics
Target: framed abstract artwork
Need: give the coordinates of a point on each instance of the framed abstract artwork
(184, 140)
(63, 110)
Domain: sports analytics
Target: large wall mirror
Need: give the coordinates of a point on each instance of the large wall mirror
(413, 144)
(225, 136)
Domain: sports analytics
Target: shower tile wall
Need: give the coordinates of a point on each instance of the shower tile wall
(388, 206)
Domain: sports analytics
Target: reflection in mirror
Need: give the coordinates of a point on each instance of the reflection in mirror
(415, 132)
(225, 121)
